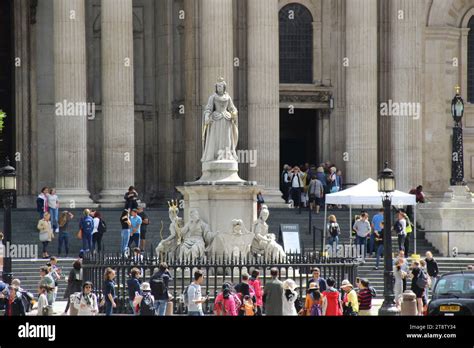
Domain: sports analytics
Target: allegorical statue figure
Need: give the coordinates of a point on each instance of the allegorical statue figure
(196, 237)
(265, 243)
(174, 240)
(220, 132)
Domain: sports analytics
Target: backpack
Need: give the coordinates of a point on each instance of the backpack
(422, 280)
(334, 230)
(315, 310)
(147, 306)
(373, 291)
(102, 228)
(158, 287)
(27, 299)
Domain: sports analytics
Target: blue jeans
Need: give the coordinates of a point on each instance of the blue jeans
(379, 254)
(86, 242)
(54, 212)
(134, 238)
(332, 240)
(196, 314)
(362, 242)
(160, 307)
(109, 310)
(125, 238)
(63, 239)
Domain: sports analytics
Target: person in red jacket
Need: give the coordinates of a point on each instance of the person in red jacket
(331, 305)
(226, 302)
(255, 283)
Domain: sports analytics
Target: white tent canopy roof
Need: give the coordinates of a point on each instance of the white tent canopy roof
(366, 193)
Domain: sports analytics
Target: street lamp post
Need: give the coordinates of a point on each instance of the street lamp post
(7, 191)
(386, 185)
(457, 159)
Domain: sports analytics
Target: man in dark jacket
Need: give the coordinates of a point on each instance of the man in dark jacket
(159, 288)
(273, 295)
(321, 282)
(14, 305)
(432, 268)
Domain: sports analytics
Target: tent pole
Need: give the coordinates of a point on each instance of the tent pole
(324, 227)
(414, 215)
(350, 226)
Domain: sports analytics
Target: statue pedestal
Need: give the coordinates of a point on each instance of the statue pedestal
(220, 171)
(219, 202)
(456, 213)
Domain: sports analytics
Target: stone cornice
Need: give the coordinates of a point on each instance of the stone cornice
(442, 33)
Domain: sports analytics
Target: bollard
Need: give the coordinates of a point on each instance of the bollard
(409, 303)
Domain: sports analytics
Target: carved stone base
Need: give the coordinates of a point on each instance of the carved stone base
(222, 171)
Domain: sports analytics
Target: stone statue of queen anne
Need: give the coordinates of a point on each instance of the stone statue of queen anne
(220, 132)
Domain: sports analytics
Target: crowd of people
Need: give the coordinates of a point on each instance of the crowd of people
(92, 226)
(307, 184)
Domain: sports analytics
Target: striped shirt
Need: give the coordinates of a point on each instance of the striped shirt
(365, 299)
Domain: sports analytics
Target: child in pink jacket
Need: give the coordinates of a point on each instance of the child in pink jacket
(255, 283)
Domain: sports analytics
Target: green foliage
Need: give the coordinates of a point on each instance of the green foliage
(2, 123)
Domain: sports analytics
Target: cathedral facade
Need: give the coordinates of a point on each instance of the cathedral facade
(104, 94)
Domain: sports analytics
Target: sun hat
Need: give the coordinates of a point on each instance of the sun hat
(289, 284)
(145, 287)
(345, 283)
(314, 286)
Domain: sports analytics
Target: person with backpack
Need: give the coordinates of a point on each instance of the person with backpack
(419, 283)
(159, 283)
(312, 305)
(254, 282)
(100, 227)
(145, 302)
(245, 289)
(86, 225)
(133, 286)
(55, 273)
(86, 302)
(333, 231)
(226, 302)
(192, 295)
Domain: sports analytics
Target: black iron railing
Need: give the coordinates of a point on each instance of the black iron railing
(217, 270)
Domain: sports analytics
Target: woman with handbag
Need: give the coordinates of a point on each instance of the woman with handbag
(350, 303)
(45, 233)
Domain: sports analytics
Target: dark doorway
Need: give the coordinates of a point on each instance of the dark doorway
(298, 137)
(7, 136)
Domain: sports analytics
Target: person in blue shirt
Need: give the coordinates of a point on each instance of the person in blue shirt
(136, 222)
(86, 224)
(376, 228)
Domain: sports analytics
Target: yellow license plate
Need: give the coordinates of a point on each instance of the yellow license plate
(449, 308)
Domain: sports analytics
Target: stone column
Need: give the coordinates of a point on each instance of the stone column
(406, 28)
(117, 100)
(361, 90)
(263, 96)
(216, 46)
(71, 103)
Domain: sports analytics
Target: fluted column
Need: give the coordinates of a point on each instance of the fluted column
(361, 90)
(263, 96)
(117, 99)
(216, 46)
(71, 102)
(405, 81)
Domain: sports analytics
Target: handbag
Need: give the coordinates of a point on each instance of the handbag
(79, 234)
(44, 236)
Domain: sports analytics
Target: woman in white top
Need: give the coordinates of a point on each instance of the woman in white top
(96, 234)
(400, 228)
(53, 206)
(86, 302)
(289, 297)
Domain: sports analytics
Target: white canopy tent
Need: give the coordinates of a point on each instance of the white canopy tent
(367, 193)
